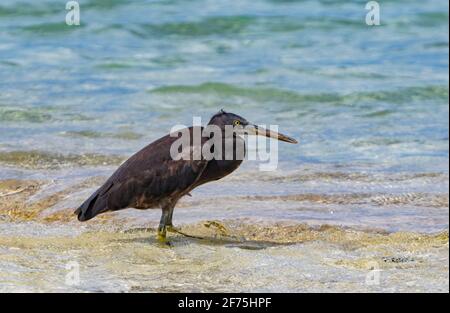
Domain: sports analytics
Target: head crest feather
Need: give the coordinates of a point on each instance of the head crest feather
(218, 113)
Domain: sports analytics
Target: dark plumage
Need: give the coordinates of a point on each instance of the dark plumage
(152, 179)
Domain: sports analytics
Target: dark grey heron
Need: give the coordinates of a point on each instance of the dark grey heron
(152, 178)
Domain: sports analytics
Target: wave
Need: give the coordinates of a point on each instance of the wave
(225, 25)
(258, 25)
(271, 94)
(45, 8)
(27, 9)
(434, 200)
(125, 135)
(38, 115)
(49, 160)
(31, 115)
(340, 176)
(51, 28)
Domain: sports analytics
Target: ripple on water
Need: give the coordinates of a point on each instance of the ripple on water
(24, 115)
(50, 160)
(263, 94)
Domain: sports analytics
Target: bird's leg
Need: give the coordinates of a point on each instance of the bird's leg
(173, 229)
(165, 225)
(162, 228)
(169, 224)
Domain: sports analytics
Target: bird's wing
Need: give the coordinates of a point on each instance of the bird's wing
(147, 177)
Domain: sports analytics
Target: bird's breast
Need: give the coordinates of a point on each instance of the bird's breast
(217, 169)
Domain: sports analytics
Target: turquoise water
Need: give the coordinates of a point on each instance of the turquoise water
(146, 65)
(361, 99)
(369, 105)
(352, 93)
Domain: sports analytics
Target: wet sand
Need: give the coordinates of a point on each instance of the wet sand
(38, 247)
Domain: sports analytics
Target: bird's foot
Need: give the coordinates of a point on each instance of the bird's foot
(173, 229)
(219, 226)
(162, 238)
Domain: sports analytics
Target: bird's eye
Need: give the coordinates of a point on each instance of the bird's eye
(236, 123)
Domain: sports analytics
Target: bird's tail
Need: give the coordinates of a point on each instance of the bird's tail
(93, 206)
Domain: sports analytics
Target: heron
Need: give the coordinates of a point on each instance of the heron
(152, 178)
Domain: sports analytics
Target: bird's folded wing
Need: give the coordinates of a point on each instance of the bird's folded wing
(151, 175)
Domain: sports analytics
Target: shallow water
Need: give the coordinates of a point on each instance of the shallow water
(369, 105)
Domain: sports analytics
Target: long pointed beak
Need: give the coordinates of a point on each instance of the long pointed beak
(256, 130)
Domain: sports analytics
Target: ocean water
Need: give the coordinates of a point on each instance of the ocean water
(369, 105)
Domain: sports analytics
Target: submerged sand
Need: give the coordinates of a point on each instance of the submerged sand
(40, 247)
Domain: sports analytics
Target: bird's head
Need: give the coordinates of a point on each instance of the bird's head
(243, 126)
